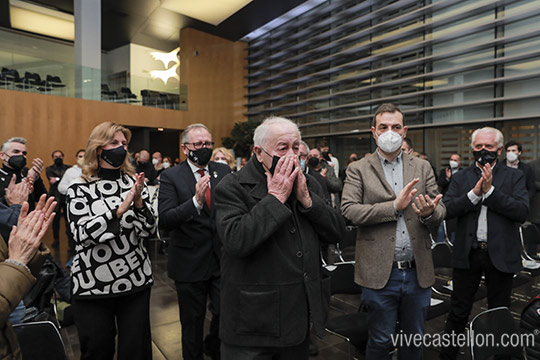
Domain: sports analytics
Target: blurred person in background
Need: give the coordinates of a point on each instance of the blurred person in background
(224, 156)
(513, 152)
(54, 173)
(70, 176)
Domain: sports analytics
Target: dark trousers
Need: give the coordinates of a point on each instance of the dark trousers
(298, 352)
(61, 211)
(99, 320)
(465, 283)
(192, 300)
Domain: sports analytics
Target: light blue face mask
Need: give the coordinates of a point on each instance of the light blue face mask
(303, 164)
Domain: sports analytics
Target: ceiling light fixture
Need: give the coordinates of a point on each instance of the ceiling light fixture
(210, 11)
(166, 58)
(41, 20)
(165, 75)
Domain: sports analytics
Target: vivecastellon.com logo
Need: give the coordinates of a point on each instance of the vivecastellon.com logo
(466, 339)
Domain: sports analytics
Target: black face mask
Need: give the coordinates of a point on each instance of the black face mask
(326, 156)
(58, 161)
(275, 160)
(114, 157)
(485, 156)
(17, 162)
(313, 162)
(200, 156)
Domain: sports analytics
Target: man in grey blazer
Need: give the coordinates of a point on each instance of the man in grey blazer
(393, 198)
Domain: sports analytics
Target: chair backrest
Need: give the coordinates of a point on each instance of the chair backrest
(55, 79)
(40, 340)
(494, 332)
(342, 278)
(11, 74)
(442, 255)
(530, 239)
(350, 237)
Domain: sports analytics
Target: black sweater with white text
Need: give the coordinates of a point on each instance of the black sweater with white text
(111, 259)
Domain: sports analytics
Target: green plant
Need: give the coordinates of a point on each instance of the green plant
(241, 139)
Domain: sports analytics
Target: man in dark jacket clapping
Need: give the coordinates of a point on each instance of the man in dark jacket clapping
(271, 219)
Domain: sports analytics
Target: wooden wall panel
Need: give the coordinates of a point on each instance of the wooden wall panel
(55, 122)
(214, 70)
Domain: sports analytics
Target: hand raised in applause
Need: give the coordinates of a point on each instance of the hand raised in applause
(323, 172)
(302, 192)
(37, 168)
(424, 206)
(200, 189)
(18, 193)
(138, 187)
(281, 183)
(483, 185)
(45, 205)
(405, 195)
(487, 176)
(133, 196)
(26, 236)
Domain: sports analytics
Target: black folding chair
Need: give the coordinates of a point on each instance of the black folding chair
(493, 332)
(40, 340)
(442, 263)
(352, 327)
(348, 241)
(530, 241)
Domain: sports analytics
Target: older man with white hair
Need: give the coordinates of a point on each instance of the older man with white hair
(488, 199)
(271, 219)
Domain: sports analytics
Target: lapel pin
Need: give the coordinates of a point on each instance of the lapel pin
(215, 174)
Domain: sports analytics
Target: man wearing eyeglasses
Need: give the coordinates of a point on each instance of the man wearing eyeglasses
(186, 208)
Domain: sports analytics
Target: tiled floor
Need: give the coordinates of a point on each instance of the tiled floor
(166, 331)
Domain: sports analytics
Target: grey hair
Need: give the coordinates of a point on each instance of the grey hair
(260, 136)
(185, 134)
(499, 137)
(302, 142)
(7, 145)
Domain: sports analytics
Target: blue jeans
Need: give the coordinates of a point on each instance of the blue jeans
(17, 316)
(403, 300)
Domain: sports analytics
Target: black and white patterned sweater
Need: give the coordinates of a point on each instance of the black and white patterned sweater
(111, 259)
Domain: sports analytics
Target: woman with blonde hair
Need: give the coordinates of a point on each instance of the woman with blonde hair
(224, 156)
(109, 215)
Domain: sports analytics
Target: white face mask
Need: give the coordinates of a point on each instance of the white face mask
(221, 161)
(511, 156)
(166, 165)
(155, 161)
(389, 141)
(453, 164)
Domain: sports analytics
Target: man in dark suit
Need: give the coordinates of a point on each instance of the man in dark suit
(54, 174)
(143, 164)
(13, 155)
(513, 152)
(186, 208)
(534, 213)
(454, 165)
(304, 151)
(271, 219)
(489, 200)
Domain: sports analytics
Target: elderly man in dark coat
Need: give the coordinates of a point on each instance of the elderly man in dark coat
(271, 217)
